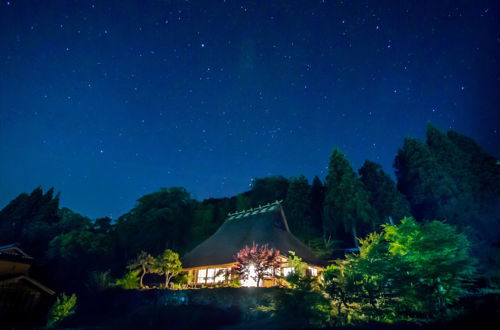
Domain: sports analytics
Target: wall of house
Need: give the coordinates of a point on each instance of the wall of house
(218, 275)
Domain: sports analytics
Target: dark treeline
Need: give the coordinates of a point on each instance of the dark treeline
(448, 177)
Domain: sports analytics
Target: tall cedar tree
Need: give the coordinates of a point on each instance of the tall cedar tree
(424, 182)
(31, 220)
(483, 166)
(385, 199)
(265, 260)
(317, 200)
(346, 201)
(297, 206)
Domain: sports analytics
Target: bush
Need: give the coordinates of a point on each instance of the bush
(63, 307)
(129, 281)
(408, 271)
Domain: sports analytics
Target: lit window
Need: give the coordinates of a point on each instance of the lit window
(313, 271)
(210, 275)
(202, 273)
(220, 275)
(251, 280)
(287, 271)
(277, 271)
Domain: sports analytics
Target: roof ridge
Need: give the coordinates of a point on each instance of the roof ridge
(258, 208)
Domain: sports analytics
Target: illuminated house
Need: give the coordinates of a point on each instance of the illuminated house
(210, 262)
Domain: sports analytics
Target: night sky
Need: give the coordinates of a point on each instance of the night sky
(109, 100)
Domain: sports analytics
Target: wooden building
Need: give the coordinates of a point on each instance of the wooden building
(23, 300)
(211, 261)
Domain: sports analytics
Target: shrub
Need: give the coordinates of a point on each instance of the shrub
(408, 271)
(63, 307)
(129, 281)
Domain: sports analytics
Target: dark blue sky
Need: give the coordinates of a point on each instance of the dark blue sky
(109, 100)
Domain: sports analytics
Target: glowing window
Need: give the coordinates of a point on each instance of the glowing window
(220, 275)
(287, 271)
(251, 280)
(202, 273)
(313, 271)
(210, 275)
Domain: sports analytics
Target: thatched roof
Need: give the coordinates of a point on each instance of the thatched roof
(263, 225)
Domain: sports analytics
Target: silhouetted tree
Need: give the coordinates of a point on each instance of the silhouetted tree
(159, 220)
(317, 200)
(143, 262)
(385, 199)
(297, 206)
(424, 182)
(30, 220)
(346, 201)
(269, 189)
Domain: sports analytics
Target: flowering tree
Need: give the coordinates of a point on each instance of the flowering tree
(261, 259)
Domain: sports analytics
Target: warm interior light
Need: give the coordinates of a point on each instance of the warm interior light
(250, 281)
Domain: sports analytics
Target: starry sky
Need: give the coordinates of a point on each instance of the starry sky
(109, 100)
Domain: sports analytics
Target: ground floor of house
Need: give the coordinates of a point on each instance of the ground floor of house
(213, 275)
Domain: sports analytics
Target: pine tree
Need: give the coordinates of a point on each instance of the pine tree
(387, 202)
(297, 202)
(424, 182)
(346, 201)
(317, 200)
(143, 262)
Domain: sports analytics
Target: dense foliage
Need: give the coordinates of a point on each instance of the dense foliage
(409, 271)
(406, 271)
(448, 177)
(347, 205)
(63, 307)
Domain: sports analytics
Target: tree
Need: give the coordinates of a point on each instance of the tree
(317, 200)
(70, 221)
(63, 307)
(409, 269)
(262, 259)
(346, 201)
(145, 263)
(438, 255)
(297, 205)
(129, 281)
(424, 182)
(387, 202)
(71, 256)
(163, 219)
(31, 220)
(269, 189)
(303, 302)
(168, 264)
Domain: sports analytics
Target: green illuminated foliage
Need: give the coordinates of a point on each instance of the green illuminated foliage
(130, 280)
(407, 270)
(145, 263)
(167, 264)
(64, 307)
